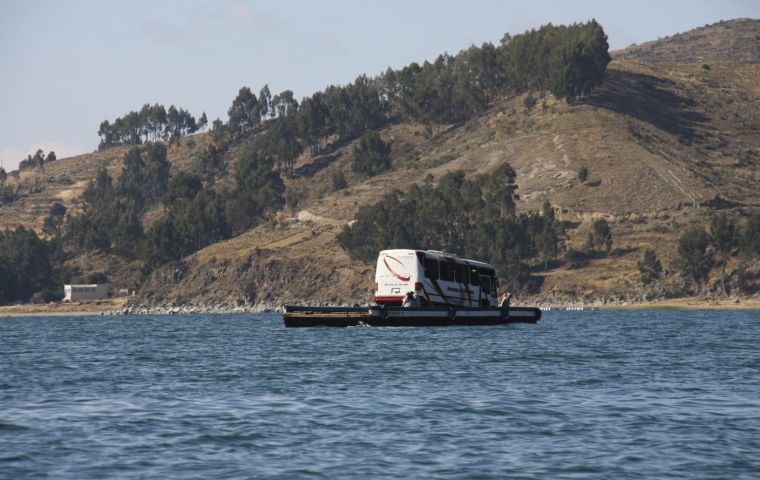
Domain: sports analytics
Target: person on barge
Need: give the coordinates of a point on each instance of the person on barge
(506, 300)
(411, 301)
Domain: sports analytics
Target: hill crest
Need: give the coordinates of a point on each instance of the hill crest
(734, 41)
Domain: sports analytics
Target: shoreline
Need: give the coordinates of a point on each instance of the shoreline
(683, 303)
(120, 306)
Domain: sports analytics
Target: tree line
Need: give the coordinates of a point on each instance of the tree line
(37, 161)
(703, 250)
(195, 214)
(569, 61)
(27, 268)
(150, 123)
(8, 193)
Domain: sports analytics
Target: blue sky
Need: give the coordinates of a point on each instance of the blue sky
(68, 65)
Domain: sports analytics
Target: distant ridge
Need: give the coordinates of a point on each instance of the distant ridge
(736, 41)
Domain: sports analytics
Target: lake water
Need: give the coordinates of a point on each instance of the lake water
(608, 394)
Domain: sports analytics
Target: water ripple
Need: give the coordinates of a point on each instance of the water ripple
(646, 394)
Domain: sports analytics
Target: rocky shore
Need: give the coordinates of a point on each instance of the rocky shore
(117, 307)
(191, 309)
(544, 303)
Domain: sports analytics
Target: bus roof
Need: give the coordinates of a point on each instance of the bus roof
(438, 255)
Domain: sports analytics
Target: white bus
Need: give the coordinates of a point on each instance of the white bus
(438, 279)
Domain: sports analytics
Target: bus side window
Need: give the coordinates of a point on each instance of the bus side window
(463, 274)
(474, 276)
(431, 269)
(486, 284)
(447, 271)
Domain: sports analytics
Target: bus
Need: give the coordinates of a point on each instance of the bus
(439, 279)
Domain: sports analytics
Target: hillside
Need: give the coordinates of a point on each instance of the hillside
(734, 41)
(670, 138)
(65, 181)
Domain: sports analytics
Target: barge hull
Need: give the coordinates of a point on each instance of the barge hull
(405, 317)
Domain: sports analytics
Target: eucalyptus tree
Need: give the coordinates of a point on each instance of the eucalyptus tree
(723, 237)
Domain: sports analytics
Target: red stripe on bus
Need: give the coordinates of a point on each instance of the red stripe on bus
(438, 289)
(388, 298)
(400, 277)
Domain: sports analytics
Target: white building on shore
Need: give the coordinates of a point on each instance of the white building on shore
(93, 291)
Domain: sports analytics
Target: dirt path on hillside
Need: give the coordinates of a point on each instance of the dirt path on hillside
(307, 216)
(286, 241)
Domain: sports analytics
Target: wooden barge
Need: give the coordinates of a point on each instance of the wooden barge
(391, 316)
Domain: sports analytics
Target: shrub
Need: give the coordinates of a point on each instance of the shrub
(649, 267)
(696, 260)
(742, 282)
(293, 198)
(529, 101)
(339, 180)
(601, 236)
(583, 174)
(371, 155)
(48, 295)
